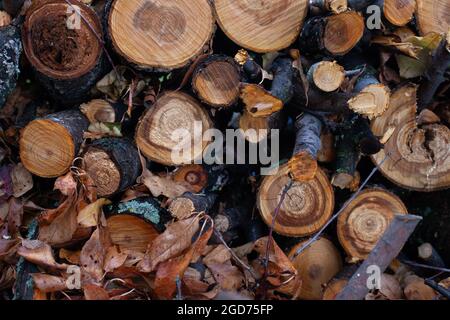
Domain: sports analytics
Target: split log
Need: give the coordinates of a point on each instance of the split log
(334, 35)
(316, 266)
(306, 208)
(372, 98)
(10, 51)
(435, 74)
(113, 164)
(364, 221)
(419, 158)
(216, 81)
(49, 145)
(159, 36)
(156, 132)
(327, 76)
(433, 16)
(68, 61)
(427, 253)
(303, 164)
(353, 139)
(262, 103)
(261, 26)
(317, 7)
(386, 249)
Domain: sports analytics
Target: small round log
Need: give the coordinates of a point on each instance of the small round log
(261, 26)
(316, 266)
(10, 51)
(113, 164)
(194, 174)
(99, 110)
(419, 158)
(326, 75)
(216, 81)
(398, 12)
(159, 35)
(49, 145)
(307, 205)
(156, 132)
(190, 203)
(67, 60)
(364, 221)
(433, 16)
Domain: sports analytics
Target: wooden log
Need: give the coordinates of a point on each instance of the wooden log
(427, 253)
(397, 12)
(13, 6)
(194, 174)
(372, 98)
(433, 16)
(327, 76)
(334, 35)
(262, 103)
(317, 7)
(307, 207)
(49, 145)
(333, 288)
(364, 221)
(99, 110)
(316, 266)
(303, 164)
(190, 203)
(113, 164)
(261, 125)
(67, 60)
(261, 26)
(216, 81)
(159, 36)
(359, 5)
(155, 132)
(10, 51)
(435, 74)
(418, 155)
(386, 249)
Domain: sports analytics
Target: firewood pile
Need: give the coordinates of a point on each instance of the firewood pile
(224, 149)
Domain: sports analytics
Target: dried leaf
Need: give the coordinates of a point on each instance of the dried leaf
(163, 185)
(89, 215)
(71, 256)
(114, 83)
(95, 292)
(114, 259)
(6, 186)
(39, 253)
(93, 255)
(48, 283)
(171, 243)
(22, 180)
(66, 184)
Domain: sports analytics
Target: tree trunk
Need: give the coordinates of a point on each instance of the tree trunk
(334, 35)
(261, 26)
(113, 164)
(307, 207)
(67, 60)
(49, 145)
(364, 221)
(172, 113)
(159, 37)
(216, 81)
(10, 51)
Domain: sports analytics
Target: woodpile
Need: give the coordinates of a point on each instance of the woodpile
(200, 149)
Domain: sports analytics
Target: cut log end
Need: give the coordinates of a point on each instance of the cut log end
(74, 51)
(195, 175)
(160, 36)
(46, 148)
(399, 12)
(306, 208)
(99, 110)
(327, 76)
(216, 81)
(365, 220)
(166, 132)
(259, 126)
(259, 102)
(130, 232)
(102, 169)
(342, 32)
(303, 166)
(433, 16)
(419, 158)
(371, 102)
(261, 26)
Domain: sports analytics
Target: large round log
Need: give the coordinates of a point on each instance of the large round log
(113, 165)
(66, 54)
(159, 35)
(433, 16)
(49, 145)
(419, 157)
(156, 134)
(259, 25)
(363, 222)
(306, 208)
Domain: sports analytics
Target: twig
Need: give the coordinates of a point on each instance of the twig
(178, 282)
(336, 215)
(425, 266)
(443, 291)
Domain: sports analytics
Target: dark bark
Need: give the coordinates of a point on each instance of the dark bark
(10, 50)
(144, 208)
(307, 138)
(252, 71)
(359, 5)
(13, 6)
(125, 156)
(311, 37)
(283, 79)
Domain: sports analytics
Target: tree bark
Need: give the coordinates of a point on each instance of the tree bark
(10, 51)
